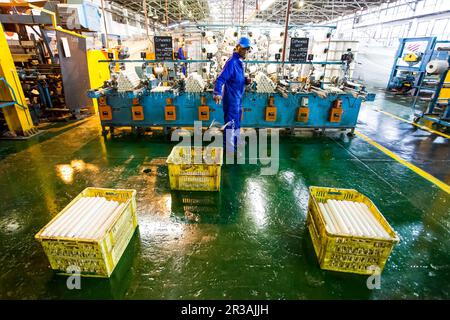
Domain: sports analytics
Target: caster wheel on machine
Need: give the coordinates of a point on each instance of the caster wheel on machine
(104, 131)
(351, 133)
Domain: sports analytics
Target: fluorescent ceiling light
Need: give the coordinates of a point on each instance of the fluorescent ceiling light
(266, 4)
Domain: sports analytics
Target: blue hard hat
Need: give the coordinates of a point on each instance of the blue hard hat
(244, 42)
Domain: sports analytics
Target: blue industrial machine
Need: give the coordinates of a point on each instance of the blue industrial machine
(308, 105)
(410, 63)
(435, 88)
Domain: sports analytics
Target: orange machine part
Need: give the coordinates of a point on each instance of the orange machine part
(336, 111)
(105, 113)
(271, 114)
(137, 113)
(102, 101)
(303, 114)
(170, 113)
(203, 113)
(135, 101)
(203, 110)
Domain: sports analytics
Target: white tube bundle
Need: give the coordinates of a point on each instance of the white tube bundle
(87, 218)
(351, 218)
(128, 80)
(264, 84)
(195, 83)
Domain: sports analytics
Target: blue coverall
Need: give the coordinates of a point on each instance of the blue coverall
(181, 56)
(233, 80)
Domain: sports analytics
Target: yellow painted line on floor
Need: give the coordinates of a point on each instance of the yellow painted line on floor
(415, 124)
(407, 164)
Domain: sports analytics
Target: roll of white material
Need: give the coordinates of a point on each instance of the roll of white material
(274, 48)
(159, 70)
(211, 48)
(437, 66)
(271, 68)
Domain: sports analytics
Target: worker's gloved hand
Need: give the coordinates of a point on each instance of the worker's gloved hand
(217, 99)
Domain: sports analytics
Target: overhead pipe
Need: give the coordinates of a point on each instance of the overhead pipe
(288, 13)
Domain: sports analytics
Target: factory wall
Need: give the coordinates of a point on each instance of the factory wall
(123, 22)
(379, 29)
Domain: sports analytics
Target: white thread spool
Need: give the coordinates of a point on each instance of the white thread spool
(437, 66)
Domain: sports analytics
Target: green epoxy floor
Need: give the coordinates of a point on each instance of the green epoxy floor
(251, 240)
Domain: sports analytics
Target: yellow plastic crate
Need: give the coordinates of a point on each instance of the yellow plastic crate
(346, 253)
(94, 257)
(195, 169)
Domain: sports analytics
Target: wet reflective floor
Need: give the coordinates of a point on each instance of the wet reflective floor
(249, 241)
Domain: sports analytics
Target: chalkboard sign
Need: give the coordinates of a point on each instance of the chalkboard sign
(299, 49)
(163, 48)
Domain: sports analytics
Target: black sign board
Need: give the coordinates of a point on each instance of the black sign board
(299, 49)
(163, 48)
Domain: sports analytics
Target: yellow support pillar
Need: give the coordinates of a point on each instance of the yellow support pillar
(17, 116)
(98, 71)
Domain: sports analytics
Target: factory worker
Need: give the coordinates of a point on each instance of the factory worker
(229, 88)
(182, 56)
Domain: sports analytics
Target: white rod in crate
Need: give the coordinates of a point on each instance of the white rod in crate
(328, 222)
(95, 216)
(58, 225)
(106, 219)
(360, 220)
(100, 231)
(83, 217)
(345, 217)
(102, 204)
(367, 217)
(351, 217)
(342, 223)
(99, 202)
(363, 218)
(75, 218)
(380, 229)
(100, 219)
(333, 218)
(53, 228)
